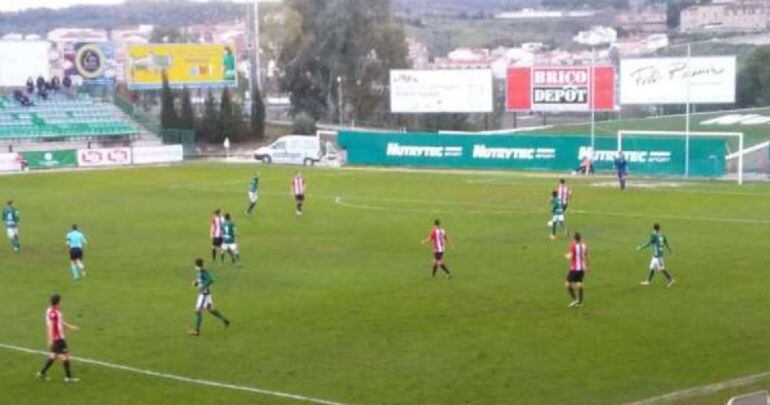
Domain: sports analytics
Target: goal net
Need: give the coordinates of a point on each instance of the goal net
(680, 153)
(756, 160)
(331, 152)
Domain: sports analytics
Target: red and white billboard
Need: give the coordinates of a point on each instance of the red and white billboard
(104, 157)
(561, 88)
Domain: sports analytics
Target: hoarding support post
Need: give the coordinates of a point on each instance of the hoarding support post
(687, 118)
(593, 98)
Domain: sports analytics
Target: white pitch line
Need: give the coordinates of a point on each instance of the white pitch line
(705, 389)
(494, 208)
(188, 380)
(676, 217)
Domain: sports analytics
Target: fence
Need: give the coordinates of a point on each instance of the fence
(646, 155)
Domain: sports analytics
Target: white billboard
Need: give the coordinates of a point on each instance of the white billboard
(104, 157)
(21, 59)
(441, 91)
(699, 80)
(158, 154)
(9, 162)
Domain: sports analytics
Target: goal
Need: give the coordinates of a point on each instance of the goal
(695, 154)
(756, 160)
(331, 152)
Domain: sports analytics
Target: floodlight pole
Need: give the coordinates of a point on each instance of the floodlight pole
(687, 116)
(339, 100)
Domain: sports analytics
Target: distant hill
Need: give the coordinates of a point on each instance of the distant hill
(422, 6)
(172, 13)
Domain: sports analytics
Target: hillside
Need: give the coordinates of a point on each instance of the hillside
(173, 13)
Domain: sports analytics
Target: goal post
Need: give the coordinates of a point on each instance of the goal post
(626, 134)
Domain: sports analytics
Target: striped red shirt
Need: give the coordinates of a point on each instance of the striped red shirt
(55, 323)
(215, 229)
(438, 238)
(578, 255)
(299, 185)
(564, 193)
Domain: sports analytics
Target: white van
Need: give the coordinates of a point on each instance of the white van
(291, 149)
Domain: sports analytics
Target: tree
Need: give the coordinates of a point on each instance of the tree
(754, 79)
(168, 115)
(355, 40)
(187, 113)
(226, 125)
(171, 35)
(257, 113)
(208, 125)
(674, 10)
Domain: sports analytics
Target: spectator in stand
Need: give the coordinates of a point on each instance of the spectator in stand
(67, 83)
(22, 98)
(40, 83)
(55, 83)
(30, 85)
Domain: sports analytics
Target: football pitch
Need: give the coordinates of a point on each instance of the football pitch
(338, 305)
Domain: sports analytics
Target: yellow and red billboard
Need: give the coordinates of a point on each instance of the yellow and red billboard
(190, 65)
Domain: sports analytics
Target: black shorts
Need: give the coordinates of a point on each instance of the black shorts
(76, 254)
(299, 197)
(216, 242)
(438, 255)
(575, 276)
(59, 347)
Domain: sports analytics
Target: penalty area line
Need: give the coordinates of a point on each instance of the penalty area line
(180, 378)
(705, 389)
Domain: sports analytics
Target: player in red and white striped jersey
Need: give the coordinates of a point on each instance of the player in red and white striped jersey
(439, 239)
(579, 265)
(215, 232)
(298, 188)
(564, 193)
(56, 340)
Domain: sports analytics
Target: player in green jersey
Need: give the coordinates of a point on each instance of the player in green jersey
(203, 282)
(253, 193)
(228, 240)
(557, 212)
(11, 220)
(659, 244)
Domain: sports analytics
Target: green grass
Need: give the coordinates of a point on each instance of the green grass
(753, 134)
(338, 304)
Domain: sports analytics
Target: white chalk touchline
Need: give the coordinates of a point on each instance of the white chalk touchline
(494, 208)
(705, 389)
(181, 378)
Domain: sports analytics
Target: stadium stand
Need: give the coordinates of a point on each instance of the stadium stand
(63, 117)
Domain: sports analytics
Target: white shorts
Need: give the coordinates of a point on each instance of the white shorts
(204, 302)
(12, 232)
(657, 264)
(253, 196)
(558, 218)
(233, 247)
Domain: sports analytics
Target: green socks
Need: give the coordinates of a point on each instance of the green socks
(198, 321)
(218, 315)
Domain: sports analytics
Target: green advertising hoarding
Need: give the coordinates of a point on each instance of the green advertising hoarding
(646, 155)
(54, 159)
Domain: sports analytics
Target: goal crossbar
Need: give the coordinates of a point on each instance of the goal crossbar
(687, 135)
